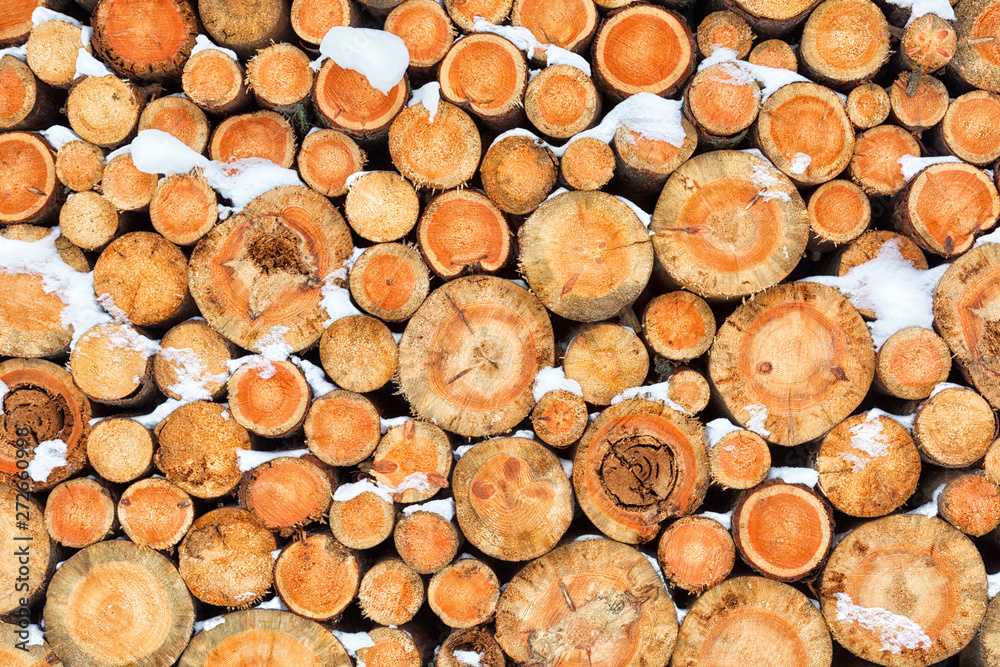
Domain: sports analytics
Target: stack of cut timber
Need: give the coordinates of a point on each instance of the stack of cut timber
(392, 333)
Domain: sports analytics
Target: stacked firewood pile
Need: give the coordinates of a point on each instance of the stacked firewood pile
(538, 332)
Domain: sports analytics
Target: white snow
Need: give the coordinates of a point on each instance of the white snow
(525, 41)
(900, 294)
(930, 508)
(992, 237)
(468, 658)
(525, 433)
(585, 538)
(429, 95)
(644, 218)
(993, 584)
(654, 392)
(275, 554)
(36, 637)
(868, 438)
(717, 428)
(60, 135)
(650, 115)
(553, 378)
(88, 65)
(379, 56)
(460, 451)
(415, 480)
(911, 165)
(567, 467)
(769, 78)
(757, 415)
(347, 492)
(126, 149)
(208, 624)
(4, 390)
(800, 162)
(769, 181)
(681, 614)
(336, 300)
(896, 632)
(656, 566)
(353, 641)
(202, 43)
(315, 377)
(941, 386)
(273, 603)
(108, 304)
(43, 15)
(725, 519)
(386, 424)
(49, 455)
(19, 52)
(792, 475)
(249, 459)
(906, 421)
(192, 374)
(444, 507)
(919, 8)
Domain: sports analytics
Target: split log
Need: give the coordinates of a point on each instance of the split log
(225, 558)
(125, 186)
(911, 363)
(270, 399)
(678, 325)
(772, 18)
(920, 109)
(426, 541)
(426, 30)
(317, 577)
(587, 164)
(245, 27)
(179, 117)
(568, 24)
(362, 521)
(975, 64)
(563, 607)
(260, 134)
(642, 165)
(16, 24)
(643, 49)
(216, 82)
(512, 498)
(345, 100)
(725, 29)
(197, 449)
(954, 427)
(265, 268)
(774, 53)
(585, 254)
(312, 19)
(342, 428)
(413, 459)
(868, 105)
(116, 603)
(192, 351)
(460, 643)
(721, 102)
(639, 463)
(844, 42)
(461, 231)
(90, 221)
(79, 512)
(104, 110)
(389, 281)
(839, 212)
(741, 229)
(497, 100)
(25, 102)
(755, 620)
(968, 131)
(917, 599)
(280, 78)
(561, 101)
(868, 466)
(183, 208)
(464, 594)
(286, 493)
(52, 50)
(464, 13)
(80, 165)
(606, 359)
(969, 501)
(150, 41)
(381, 206)
(792, 348)
(325, 160)
(391, 592)
(559, 418)
(928, 44)
(875, 163)
(30, 191)
(439, 153)
(23, 581)
(359, 353)
(146, 277)
(120, 449)
(451, 367)
(518, 174)
(739, 460)
(696, 553)
(155, 513)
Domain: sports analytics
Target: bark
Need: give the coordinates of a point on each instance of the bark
(465, 13)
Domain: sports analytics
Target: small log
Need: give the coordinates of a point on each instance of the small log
(587, 164)
(464, 14)
(839, 212)
(197, 449)
(125, 186)
(381, 206)
(155, 513)
(269, 400)
(112, 364)
(390, 281)
(225, 558)
(325, 160)
(120, 449)
(585, 254)
(464, 594)
(79, 512)
(518, 174)
(104, 110)
(439, 153)
(456, 649)
(312, 19)
(559, 418)
(642, 165)
(727, 30)
(426, 30)
(772, 18)
(970, 501)
(317, 577)
(919, 597)
(678, 325)
(721, 102)
(192, 351)
(215, 82)
(875, 163)
(606, 359)
(967, 130)
(867, 106)
(426, 541)
(280, 78)
(41, 549)
(90, 221)
(450, 367)
(246, 27)
(512, 498)
(911, 363)
(739, 460)
(362, 521)
(116, 603)
(920, 109)
(261, 134)
(867, 247)
(178, 117)
(413, 459)
(359, 353)
(954, 427)
(146, 277)
(17, 24)
(657, 57)
(80, 165)
(639, 463)
(696, 553)
(561, 101)
(564, 604)
(52, 50)
(741, 230)
(753, 619)
(145, 40)
(975, 62)
(568, 24)
(391, 592)
(31, 192)
(868, 466)
(286, 493)
(928, 44)
(461, 231)
(344, 100)
(183, 208)
(265, 634)
(25, 103)
(774, 53)
(395, 647)
(689, 389)
(771, 371)
(844, 42)
(342, 428)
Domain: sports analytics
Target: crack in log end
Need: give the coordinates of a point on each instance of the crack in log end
(639, 474)
(603, 620)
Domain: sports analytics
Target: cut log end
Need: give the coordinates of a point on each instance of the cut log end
(875, 163)
(327, 158)
(518, 174)
(150, 43)
(954, 428)
(344, 100)
(359, 353)
(568, 24)
(425, 29)
(25, 103)
(920, 108)
(971, 503)
(696, 553)
(79, 512)
(179, 117)
(312, 19)
(286, 493)
(104, 110)
(426, 541)
(439, 153)
(559, 418)
(839, 212)
(678, 325)
(261, 134)
(725, 29)
(587, 164)
(967, 130)
(842, 57)
(912, 362)
(246, 27)
(28, 167)
(462, 231)
(280, 77)
(606, 359)
(89, 221)
(120, 449)
(414, 459)
(739, 460)
(381, 206)
(464, 594)
(342, 428)
(155, 513)
(183, 208)
(125, 186)
(391, 592)
(192, 348)
(270, 400)
(111, 366)
(80, 165)
(390, 281)
(561, 101)
(362, 522)
(215, 82)
(929, 43)
(722, 103)
(774, 53)
(868, 105)
(317, 577)
(456, 649)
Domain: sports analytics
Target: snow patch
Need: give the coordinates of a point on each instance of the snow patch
(896, 632)
(353, 641)
(800, 162)
(60, 135)
(525, 41)
(468, 658)
(930, 508)
(203, 43)
(993, 584)
(911, 165)
(716, 429)
(49, 455)
(769, 180)
(869, 438)
(430, 96)
(415, 480)
(919, 8)
(36, 637)
(941, 386)
(347, 492)
(249, 459)
(553, 378)
(19, 52)
(757, 415)
(386, 424)
(725, 519)
(315, 377)
(654, 392)
(208, 624)
(567, 467)
(769, 78)
(88, 65)
(379, 56)
(336, 300)
(444, 507)
(4, 390)
(273, 603)
(806, 476)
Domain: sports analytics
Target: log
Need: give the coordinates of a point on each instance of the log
(755, 620)
(287, 493)
(868, 465)
(30, 191)
(839, 212)
(639, 462)
(561, 101)
(606, 359)
(426, 30)
(104, 110)
(312, 19)
(867, 106)
(80, 165)
(90, 221)
(991, 463)
(120, 450)
(721, 102)
(269, 400)
(928, 44)
(982, 651)
(975, 61)
(215, 82)
(772, 18)
(192, 351)
(918, 599)
(117, 603)
(439, 153)
(739, 460)
(344, 100)
(342, 428)
(559, 418)
(921, 108)
(145, 40)
(280, 78)
(225, 558)
(967, 129)
(325, 160)
(689, 390)
(564, 608)
(742, 229)
(390, 281)
(774, 53)
(724, 29)
(79, 512)
(413, 459)
(359, 353)
(696, 553)
(518, 174)
(568, 24)
(36, 654)
(911, 363)
(954, 427)
(43, 400)
(464, 595)
(587, 164)
(451, 367)
(265, 268)
(25, 102)
(642, 49)
(426, 541)
(844, 42)
(362, 521)
(317, 577)
(461, 232)
(197, 449)
(512, 498)
(969, 501)
(456, 649)
(125, 186)
(394, 647)
(260, 134)
(642, 165)
(16, 24)
(183, 208)
(875, 163)
(155, 513)
(146, 277)
(867, 247)
(52, 50)
(464, 13)
(678, 325)
(381, 206)
(178, 117)
(245, 26)
(28, 585)
(497, 100)
(391, 592)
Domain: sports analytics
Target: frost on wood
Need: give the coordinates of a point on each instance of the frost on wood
(896, 632)
(756, 416)
(429, 95)
(654, 392)
(791, 475)
(553, 378)
(379, 56)
(525, 41)
(444, 507)
(869, 439)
